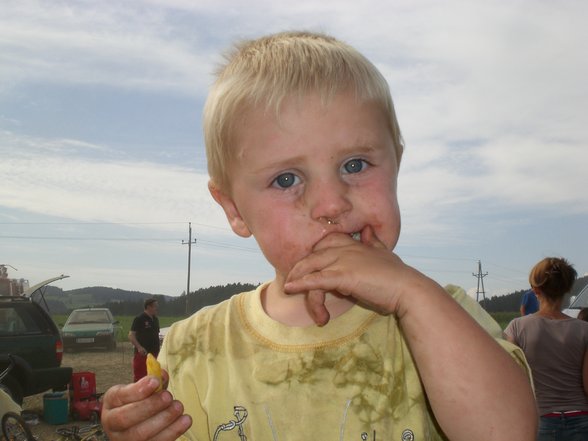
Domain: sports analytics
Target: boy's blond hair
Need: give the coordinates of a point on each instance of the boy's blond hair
(267, 70)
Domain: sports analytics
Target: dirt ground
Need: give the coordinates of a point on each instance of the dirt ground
(110, 367)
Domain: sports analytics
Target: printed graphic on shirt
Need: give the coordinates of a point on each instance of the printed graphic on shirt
(407, 435)
(240, 417)
(241, 413)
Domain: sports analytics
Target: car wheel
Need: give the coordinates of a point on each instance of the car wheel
(112, 345)
(12, 387)
(15, 427)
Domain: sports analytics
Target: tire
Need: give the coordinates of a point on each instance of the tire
(112, 346)
(13, 388)
(14, 427)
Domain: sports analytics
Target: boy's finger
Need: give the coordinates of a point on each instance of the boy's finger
(136, 414)
(325, 281)
(315, 301)
(120, 395)
(167, 424)
(316, 261)
(333, 240)
(170, 424)
(175, 430)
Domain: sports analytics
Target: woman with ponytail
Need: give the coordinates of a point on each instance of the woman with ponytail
(556, 348)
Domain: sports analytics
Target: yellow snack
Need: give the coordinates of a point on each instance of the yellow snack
(154, 368)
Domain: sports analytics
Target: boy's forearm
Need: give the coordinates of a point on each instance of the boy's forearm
(467, 375)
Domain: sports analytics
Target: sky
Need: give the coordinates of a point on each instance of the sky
(102, 165)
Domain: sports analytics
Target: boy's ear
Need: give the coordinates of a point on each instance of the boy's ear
(231, 211)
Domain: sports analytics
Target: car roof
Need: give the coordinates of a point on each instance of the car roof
(91, 309)
(15, 299)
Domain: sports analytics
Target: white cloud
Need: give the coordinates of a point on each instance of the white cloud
(490, 98)
(114, 44)
(55, 181)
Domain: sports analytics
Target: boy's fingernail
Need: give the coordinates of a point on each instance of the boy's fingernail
(186, 421)
(153, 382)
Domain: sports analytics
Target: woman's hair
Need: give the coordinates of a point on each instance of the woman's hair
(265, 71)
(553, 276)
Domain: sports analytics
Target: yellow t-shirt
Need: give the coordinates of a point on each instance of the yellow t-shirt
(243, 376)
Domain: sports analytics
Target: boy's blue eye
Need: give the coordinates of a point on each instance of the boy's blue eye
(354, 165)
(285, 180)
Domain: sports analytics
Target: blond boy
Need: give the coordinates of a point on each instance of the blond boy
(346, 342)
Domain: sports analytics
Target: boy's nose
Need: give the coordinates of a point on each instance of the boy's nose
(329, 200)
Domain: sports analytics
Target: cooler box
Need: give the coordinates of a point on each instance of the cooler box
(83, 385)
(84, 403)
(55, 407)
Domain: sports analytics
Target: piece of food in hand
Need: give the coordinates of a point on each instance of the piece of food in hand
(154, 368)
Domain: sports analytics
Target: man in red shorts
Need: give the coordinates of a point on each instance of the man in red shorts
(144, 335)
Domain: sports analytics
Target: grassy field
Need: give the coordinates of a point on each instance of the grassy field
(125, 322)
(504, 318)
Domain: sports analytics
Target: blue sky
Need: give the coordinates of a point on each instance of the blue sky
(102, 161)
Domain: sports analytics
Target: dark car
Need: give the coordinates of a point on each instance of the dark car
(30, 336)
(90, 328)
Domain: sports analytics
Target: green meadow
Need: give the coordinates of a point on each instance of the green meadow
(125, 322)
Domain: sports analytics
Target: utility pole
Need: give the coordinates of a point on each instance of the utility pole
(189, 243)
(480, 277)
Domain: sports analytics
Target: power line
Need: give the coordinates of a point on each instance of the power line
(207, 243)
(122, 239)
(92, 223)
(462, 259)
(115, 223)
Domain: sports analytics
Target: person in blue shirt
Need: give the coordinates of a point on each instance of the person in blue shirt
(529, 303)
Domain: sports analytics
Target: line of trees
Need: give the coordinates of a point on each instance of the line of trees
(122, 302)
(176, 306)
(511, 302)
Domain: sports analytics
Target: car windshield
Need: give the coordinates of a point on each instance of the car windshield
(79, 317)
(581, 300)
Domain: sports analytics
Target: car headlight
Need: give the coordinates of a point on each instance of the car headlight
(104, 333)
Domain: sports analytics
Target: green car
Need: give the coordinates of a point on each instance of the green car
(90, 328)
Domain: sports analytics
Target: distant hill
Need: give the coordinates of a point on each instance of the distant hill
(62, 302)
(122, 302)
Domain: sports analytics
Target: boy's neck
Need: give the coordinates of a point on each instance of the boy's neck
(291, 309)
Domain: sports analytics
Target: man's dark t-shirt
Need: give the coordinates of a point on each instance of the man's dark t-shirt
(146, 330)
